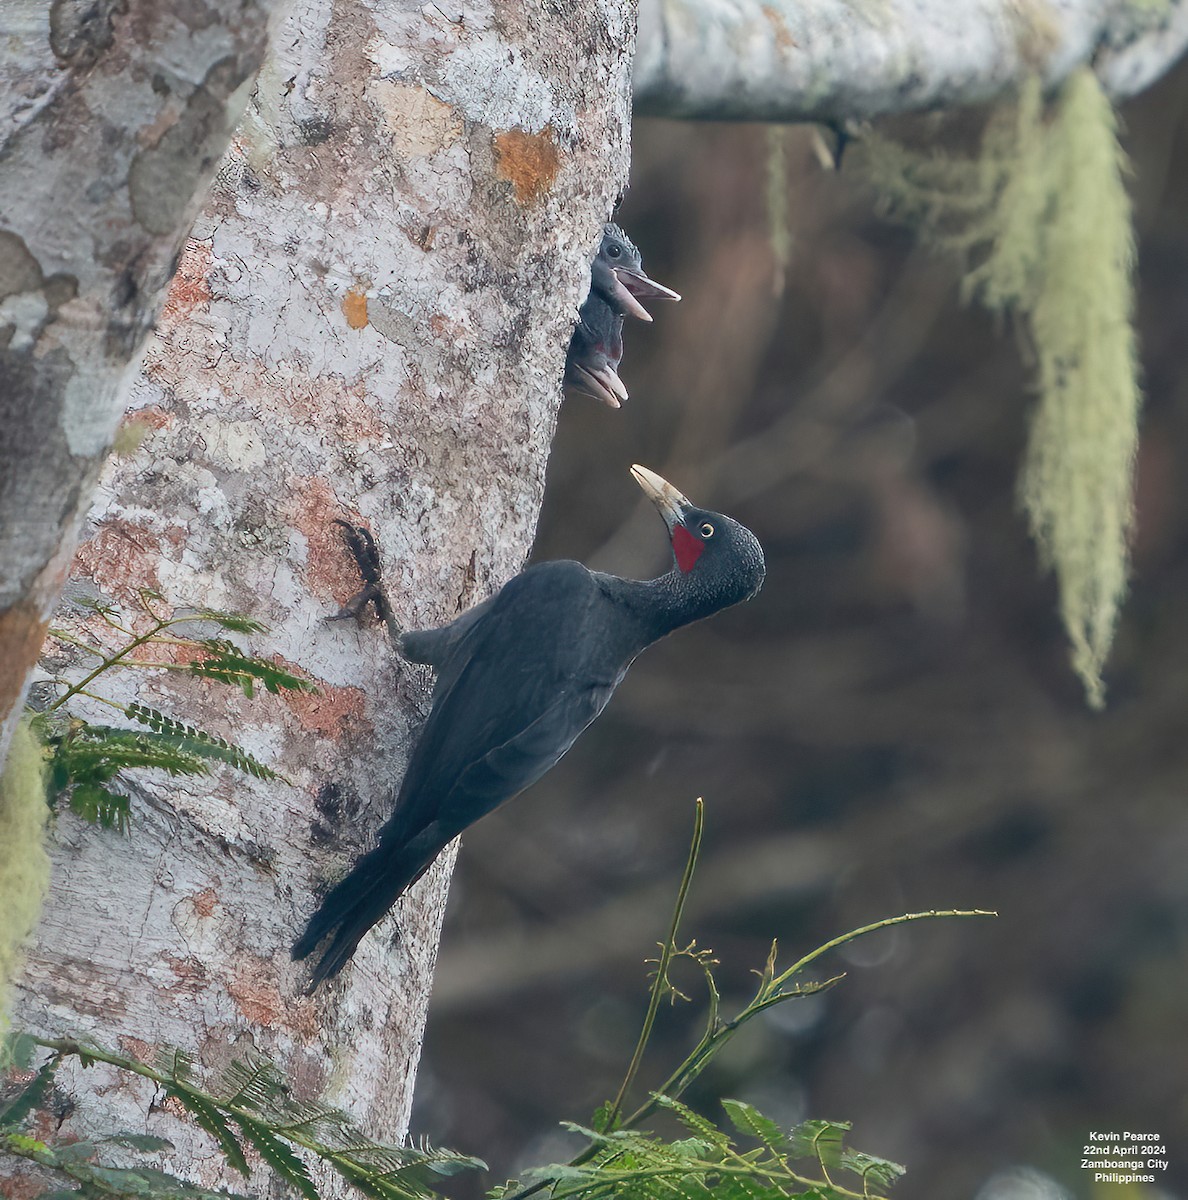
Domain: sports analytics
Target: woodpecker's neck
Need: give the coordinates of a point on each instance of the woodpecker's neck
(656, 607)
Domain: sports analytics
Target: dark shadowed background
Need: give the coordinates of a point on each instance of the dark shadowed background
(891, 726)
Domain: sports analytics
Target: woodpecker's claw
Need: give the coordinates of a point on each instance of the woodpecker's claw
(366, 555)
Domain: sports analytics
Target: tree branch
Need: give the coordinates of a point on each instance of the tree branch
(834, 60)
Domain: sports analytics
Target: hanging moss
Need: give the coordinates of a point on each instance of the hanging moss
(24, 864)
(1042, 222)
(778, 222)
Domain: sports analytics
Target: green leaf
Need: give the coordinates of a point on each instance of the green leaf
(747, 1119)
(101, 806)
(602, 1118)
(876, 1172)
(232, 622)
(74, 1152)
(818, 1139)
(213, 1121)
(276, 1154)
(146, 1182)
(198, 742)
(695, 1122)
(226, 663)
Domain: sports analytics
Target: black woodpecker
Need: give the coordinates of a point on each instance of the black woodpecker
(617, 275)
(617, 283)
(595, 351)
(519, 677)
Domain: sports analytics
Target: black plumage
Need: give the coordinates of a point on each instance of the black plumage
(618, 277)
(617, 283)
(595, 351)
(519, 677)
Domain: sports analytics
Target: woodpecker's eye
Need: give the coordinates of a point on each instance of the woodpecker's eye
(706, 530)
(614, 251)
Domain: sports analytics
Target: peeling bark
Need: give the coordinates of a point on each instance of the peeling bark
(113, 116)
(369, 321)
(837, 60)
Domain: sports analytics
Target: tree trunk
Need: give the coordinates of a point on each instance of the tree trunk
(113, 116)
(838, 60)
(369, 321)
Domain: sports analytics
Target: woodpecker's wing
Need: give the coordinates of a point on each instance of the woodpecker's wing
(507, 769)
(434, 646)
(513, 694)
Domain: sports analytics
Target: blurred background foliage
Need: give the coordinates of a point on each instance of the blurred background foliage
(892, 725)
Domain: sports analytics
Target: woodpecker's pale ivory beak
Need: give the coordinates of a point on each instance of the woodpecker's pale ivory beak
(671, 504)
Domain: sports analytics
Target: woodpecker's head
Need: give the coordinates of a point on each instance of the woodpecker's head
(716, 556)
(595, 351)
(617, 275)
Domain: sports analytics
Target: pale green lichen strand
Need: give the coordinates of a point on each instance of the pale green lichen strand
(1077, 478)
(1044, 214)
(24, 864)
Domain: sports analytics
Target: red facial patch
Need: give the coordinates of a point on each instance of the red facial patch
(687, 548)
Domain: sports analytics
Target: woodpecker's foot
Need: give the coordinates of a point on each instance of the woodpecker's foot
(366, 555)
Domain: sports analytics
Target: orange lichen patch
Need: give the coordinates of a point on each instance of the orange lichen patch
(783, 35)
(330, 571)
(22, 632)
(354, 308)
(329, 710)
(253, 987)
(166, 652)
(204, 902)
(190, 288)
(152, 417)
(528, 161)
(120, 558)
(191, 975)
(447, 330)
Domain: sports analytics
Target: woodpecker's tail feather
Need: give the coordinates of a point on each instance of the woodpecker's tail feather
(353, 906)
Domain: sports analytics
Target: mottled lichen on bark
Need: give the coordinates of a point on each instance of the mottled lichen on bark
(89, 94)
(368, 322)
(839, 60)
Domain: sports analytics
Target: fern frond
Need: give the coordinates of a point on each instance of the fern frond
(98, 752)
(101, 806)
(876, 1172)
(748, 1120)
(208, 1117)
(168, 731)
(821, 1140)
(232, 622)
(226, 663)
(254, 1085)
(695, 1122)
(276, 1154)
(176, 1064)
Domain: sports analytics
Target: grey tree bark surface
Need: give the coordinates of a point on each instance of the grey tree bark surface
(369, 321)
(837, 60)
(112, 119)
